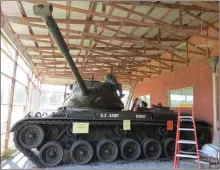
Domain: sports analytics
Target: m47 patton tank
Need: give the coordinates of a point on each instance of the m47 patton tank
(91, 125)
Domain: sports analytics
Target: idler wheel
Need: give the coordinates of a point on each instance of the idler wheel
(31, 136)
(162, 130)
(51, 154)
(152, 149)
(130, 149)
(81, 152)
(107, 150)
(169, 148)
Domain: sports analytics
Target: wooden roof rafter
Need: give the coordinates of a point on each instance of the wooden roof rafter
(115, 40)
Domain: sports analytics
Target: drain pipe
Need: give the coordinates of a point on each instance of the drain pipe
(213, 63)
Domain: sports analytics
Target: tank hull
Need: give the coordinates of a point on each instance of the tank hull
(104, 125)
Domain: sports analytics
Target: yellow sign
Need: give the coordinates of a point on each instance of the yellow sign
(185, 105)
(79, 127)
(126, 124)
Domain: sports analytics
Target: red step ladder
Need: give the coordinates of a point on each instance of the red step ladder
(183, 154)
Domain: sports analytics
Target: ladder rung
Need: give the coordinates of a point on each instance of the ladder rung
(187, 141)
(186, 117)
(186, 129)
(190, 153)
(186, 120)
(186, 156)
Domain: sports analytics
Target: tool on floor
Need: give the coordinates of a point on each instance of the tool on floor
(183, 154)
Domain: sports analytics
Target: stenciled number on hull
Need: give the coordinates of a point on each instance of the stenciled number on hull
(139, 116)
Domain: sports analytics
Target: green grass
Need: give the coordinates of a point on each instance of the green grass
(7, 154)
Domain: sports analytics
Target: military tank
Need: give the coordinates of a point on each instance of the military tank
(92, 125)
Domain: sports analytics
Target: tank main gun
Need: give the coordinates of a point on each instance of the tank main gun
(45, 12)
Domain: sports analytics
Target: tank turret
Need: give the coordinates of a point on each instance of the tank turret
(90, 94)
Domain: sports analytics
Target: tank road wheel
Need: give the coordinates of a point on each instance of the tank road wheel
(107, 150)
(31, 136)
(169, 148)
(130, 149)
(81, 152)
(51, 154)
(152, 149)
(162, 130)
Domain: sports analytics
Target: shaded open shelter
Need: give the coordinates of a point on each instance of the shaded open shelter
(160, 51)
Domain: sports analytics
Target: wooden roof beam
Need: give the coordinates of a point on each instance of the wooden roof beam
(159, 46)
(163, 25)
(97, 77)
(6, 30)
(22, 11)
(79, 10)
(198, 6)
(83, 69)
(206, 6)
(98, 56)
(129, 50)
(33, 20)
(203, 21)
(72, 47)
(88, 64)
(90, 35)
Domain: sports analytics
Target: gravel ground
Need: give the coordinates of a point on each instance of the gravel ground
(21, 162)
(139, 164)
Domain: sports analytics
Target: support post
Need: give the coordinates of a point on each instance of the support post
(31, 92)
(11, 103)
(218, 98)
(213, 63)
(27, 95)
(65, 92)
(187, 54)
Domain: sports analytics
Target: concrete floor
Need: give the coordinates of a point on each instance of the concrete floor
(21, 162)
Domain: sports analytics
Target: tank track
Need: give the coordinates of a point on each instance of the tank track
(30, 154)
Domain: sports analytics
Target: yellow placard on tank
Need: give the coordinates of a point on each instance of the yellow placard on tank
(80, 127)
(126, 124)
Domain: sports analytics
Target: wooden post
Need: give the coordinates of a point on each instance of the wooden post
(65, 92)
(171, 68)
(187, 54)
(180, 18)
(31, 93)
(8, 124)
(218, 92)
(27, 95)
(207, 48)
(38, 94)
(159, 36)
(35, 95)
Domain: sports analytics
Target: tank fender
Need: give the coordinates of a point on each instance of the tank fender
(14, 127)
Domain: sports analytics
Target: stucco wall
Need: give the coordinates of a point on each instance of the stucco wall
(198, 76)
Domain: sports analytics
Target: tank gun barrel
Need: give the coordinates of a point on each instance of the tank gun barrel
(45, 12)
